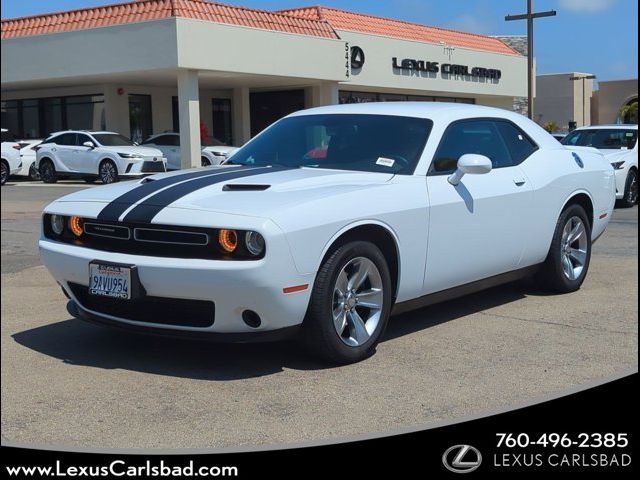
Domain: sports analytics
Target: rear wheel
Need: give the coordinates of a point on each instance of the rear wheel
(350, 304)
(108, 172)
(4, 173)
(33, 173)
(48, 171)
(630, 190)
(568, 260)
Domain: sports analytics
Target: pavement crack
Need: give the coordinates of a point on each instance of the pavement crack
(558, 324)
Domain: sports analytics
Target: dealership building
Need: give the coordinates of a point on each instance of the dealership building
(204, 68)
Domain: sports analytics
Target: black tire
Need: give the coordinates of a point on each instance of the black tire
(552, 276)
(5, 172)
(630, 190)
(47, 171)
(89, 179)
(205, 162)
(318, 331)
(108, 172)
(33, 173)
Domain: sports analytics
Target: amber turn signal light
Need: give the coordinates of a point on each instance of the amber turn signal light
(76, 226)
(228, 240)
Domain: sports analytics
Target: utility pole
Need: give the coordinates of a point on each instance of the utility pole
(530, 16)
(584, 99)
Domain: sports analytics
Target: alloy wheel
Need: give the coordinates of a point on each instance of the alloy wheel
(574, 247)
(632, 195)
(4, 174)
(357, 301)
(108, 172)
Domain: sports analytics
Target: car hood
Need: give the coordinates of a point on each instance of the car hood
(136, 150)
(260, 192)
(221, 149)
(616, 155)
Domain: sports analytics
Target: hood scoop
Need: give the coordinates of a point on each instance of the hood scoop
(244, 187)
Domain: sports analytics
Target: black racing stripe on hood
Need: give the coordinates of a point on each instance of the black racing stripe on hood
(118, 206)
(145, 211)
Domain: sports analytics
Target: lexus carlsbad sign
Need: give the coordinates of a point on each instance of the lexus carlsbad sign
(447, 69)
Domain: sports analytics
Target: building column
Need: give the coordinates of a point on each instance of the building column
(325, 93)
(241, 116)
(116, 110)
(189, 114)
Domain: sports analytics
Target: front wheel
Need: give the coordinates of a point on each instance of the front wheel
(4, 175)
(568, 260)
(630, 190)
(205, 162)
(108, 172)
(350, 304)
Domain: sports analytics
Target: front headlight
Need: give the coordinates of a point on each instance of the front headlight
(254, 243)
(618, 165)
(57, 224)
(130, 155)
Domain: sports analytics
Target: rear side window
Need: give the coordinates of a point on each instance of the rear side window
(66, 139)
(470, 136)
(519, 144)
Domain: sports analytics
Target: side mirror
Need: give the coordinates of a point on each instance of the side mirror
(88, 144)
(470, 163)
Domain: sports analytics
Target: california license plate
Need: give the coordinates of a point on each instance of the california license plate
(107, 280)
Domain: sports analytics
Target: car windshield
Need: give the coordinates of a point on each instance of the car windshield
(7, 136)
(603, 138)
(112, 140)
(368, 143)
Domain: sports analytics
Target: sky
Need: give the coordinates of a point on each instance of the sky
(593, 36)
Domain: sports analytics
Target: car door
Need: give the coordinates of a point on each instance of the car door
(84, 159)
(64, 151)
(476, 227)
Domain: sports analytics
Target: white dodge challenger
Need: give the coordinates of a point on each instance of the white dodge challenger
(329, 221)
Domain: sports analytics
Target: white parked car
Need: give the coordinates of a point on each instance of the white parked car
(28, 149)
(330, 220)
(619, 144)
(88, 155)
(10, 162)
(214, 152)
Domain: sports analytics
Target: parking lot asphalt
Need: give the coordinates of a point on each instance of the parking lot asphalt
(68, 383)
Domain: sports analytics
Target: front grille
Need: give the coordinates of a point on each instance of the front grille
(152, 167)
(164, 311)
(151, 240)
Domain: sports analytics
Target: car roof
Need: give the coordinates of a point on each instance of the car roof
(620, 126)
(412, 109)
(90, 132)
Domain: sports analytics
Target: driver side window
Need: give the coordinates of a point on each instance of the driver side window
(470, 136)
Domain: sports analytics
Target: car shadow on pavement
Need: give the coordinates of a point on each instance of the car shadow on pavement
(79, 343)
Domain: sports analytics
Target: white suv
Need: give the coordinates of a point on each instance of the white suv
(91, 155)
(619, 145)
(213, 151)
(11, 163)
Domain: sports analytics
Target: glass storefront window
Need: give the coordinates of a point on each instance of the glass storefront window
(363, 97)
(222, 120)
(140, 119)
(39, 117)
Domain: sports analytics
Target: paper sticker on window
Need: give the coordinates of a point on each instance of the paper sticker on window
(629, 134)
(385, 162)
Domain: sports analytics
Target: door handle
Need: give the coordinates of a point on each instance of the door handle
(519, 181)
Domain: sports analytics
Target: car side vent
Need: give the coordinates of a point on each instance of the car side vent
(243, 187)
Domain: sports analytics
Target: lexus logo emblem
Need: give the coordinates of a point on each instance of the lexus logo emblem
(357, 58)
(462, 458)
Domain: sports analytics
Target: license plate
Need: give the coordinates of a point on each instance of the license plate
(107, 280)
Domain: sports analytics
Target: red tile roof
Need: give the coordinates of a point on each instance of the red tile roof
(144, 10)
(345, 20)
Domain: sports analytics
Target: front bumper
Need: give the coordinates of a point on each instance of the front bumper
(233, 286)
